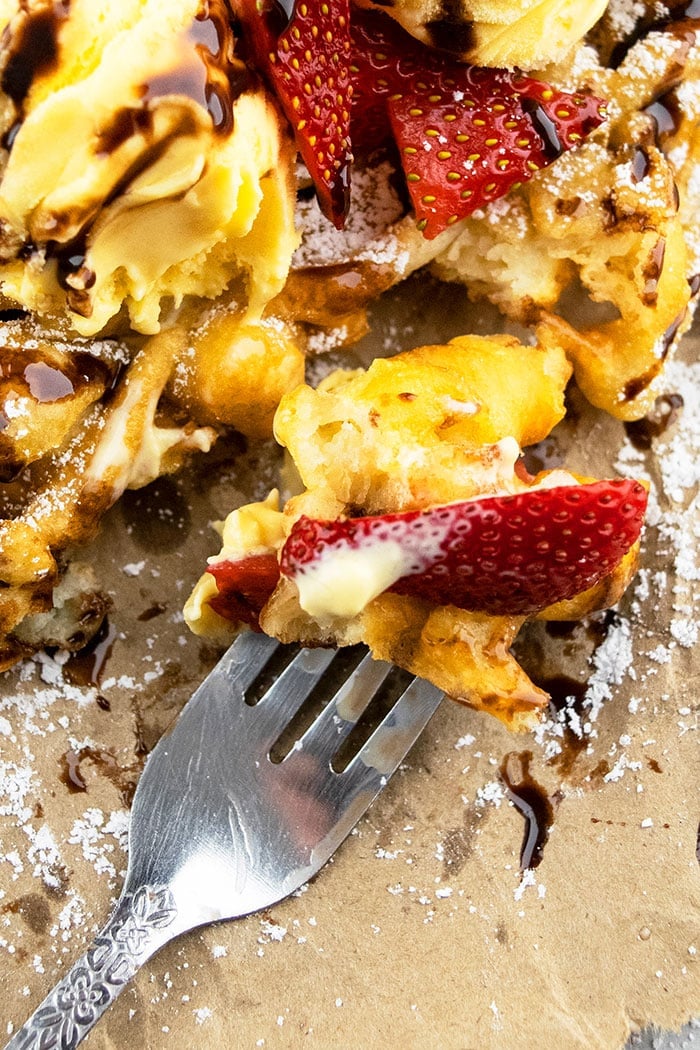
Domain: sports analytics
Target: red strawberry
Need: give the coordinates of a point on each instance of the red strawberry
(307, 64)
(502, 555)
(466, 135)
(244, 586)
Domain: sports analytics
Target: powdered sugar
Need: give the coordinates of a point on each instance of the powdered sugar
(366, 237)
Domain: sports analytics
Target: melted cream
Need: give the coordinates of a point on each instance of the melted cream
(343, 580)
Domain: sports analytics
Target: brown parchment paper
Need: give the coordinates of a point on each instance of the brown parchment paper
(423, 931)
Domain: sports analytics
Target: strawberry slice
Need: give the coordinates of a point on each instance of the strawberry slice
(244, 586)
(306, 62)
(501, 555)
(466, 135)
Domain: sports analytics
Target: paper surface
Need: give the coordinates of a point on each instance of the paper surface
(423, 931)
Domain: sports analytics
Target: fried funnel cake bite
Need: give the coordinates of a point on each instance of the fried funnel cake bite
(417, 530)
(82, 421)
(618, 219)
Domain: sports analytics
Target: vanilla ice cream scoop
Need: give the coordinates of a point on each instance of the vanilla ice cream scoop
(145, 163)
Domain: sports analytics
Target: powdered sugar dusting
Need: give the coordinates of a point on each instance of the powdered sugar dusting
(366, 237)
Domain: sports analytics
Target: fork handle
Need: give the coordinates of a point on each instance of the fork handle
(141, 924)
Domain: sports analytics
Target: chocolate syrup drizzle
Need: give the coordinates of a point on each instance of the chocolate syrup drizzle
(532, 801)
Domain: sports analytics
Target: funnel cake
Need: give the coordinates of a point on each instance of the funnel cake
(437, 427)
(165, 285)
(84, 420)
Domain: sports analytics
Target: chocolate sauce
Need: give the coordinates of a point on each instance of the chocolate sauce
(652, 272)
(545, 455)
(667, 115)
(150, 614)
(287, 9)
(125, 123)
(635, 386)
(47, 382)
(88, 665)
(640, 164)
(568, 694)
(682, 18)
(33, 49)
(642, 432)
(561, 628)
(209, 73)
(545, 127)
(33, 908)
(124, 779)
(449, 31)
(530, 799)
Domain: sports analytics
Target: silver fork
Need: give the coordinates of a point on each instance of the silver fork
(220, 830)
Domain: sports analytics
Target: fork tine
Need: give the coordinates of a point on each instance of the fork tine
(246, 659)
(291, 689)
(341, 714)
(395, 735)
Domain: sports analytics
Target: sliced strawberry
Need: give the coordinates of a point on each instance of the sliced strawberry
(502, 555)
(307, 64)
(244, 586)
(466, 135)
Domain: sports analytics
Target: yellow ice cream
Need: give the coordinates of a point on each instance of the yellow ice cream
(145, 163)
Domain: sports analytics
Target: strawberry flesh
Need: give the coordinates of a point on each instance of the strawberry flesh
(307, 64)
(500, 555)
(243, 587)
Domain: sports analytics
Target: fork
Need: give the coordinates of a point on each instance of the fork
(219, 829)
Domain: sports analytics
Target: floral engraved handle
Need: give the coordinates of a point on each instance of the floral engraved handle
(138, 928)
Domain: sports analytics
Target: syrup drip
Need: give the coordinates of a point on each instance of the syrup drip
(641, 432)
(88, 665)
(124, 779)
(532, 801)
(545, 128)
